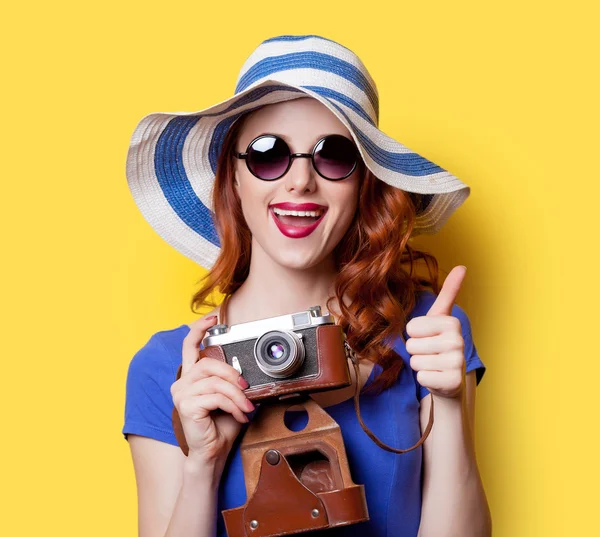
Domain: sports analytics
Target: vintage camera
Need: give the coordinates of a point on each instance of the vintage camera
(294, 353)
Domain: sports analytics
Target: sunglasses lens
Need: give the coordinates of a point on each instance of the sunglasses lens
(335, 157)
(268, 157)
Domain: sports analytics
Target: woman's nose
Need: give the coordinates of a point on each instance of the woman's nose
(301, 176)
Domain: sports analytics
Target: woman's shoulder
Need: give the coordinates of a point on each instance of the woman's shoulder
(163, 348)
(152, 371)
(160, 354)
(170, 339)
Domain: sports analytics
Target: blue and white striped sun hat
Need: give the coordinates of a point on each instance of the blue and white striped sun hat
(172, 158)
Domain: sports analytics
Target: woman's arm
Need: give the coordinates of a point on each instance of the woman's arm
(177, 496)
(454, 502)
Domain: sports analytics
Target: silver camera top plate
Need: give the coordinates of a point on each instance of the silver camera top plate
(222, 334)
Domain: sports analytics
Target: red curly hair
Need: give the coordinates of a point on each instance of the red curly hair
(376, 267)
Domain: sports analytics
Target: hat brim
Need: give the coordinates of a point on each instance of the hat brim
(172, 160)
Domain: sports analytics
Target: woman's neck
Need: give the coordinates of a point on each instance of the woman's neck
(272, 289)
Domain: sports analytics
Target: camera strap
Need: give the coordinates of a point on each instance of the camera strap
(351, 355)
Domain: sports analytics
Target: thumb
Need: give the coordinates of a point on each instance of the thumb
(445, 300)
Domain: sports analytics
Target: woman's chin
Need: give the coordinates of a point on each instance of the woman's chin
(296, 258)
(297, 254)
(295, 262)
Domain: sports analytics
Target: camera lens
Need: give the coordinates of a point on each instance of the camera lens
(279, 354)
(275, 351)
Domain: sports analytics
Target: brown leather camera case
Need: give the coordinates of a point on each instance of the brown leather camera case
(286, 498)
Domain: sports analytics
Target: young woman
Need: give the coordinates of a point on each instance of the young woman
(310, 204)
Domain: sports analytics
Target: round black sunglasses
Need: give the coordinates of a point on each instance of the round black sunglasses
(268, 157)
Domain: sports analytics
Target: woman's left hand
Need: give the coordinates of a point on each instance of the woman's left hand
(436, 343)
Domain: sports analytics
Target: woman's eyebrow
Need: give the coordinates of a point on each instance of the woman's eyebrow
(289, 140)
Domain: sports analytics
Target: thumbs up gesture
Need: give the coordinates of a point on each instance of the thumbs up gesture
(436, 344)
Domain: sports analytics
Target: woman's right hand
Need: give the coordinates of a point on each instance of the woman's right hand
(205, 386)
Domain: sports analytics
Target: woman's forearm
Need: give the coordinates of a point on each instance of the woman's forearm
(195, 512)
(454, 501)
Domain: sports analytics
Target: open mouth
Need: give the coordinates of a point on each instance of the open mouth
(297, 218)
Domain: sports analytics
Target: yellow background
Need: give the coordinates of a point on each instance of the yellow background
(503, 94)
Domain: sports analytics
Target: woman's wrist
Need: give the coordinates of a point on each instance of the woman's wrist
(199, 468)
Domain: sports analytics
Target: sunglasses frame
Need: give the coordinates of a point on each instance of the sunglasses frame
(292, 156)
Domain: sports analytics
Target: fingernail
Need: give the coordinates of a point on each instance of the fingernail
(243, 382)
(250, 406)
(211, 318)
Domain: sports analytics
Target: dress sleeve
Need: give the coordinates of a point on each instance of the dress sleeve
(473, 361)
(148, 401)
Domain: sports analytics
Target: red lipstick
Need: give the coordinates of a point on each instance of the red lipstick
(297, 232)
(288, 206)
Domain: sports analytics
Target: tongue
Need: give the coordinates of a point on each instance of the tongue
(300, 221)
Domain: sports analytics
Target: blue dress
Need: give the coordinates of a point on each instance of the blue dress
(393, 483)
